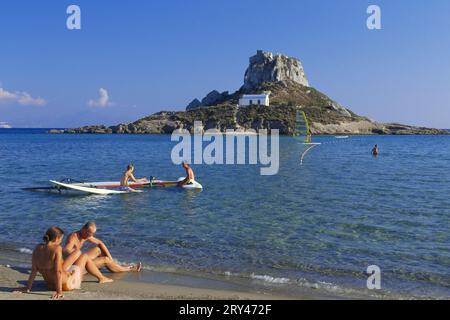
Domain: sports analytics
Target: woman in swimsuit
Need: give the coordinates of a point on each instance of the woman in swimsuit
(58, 274)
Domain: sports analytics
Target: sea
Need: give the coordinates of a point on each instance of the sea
(320, 226)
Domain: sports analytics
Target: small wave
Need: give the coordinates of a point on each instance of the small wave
(265, 278)
(269, 279)
(25, 250)
(316, 285)
(324, 286)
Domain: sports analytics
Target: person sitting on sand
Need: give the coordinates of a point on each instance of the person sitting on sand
(60, 275)
(100, 255)
(375, 150)
(128, 175)
(190, 177)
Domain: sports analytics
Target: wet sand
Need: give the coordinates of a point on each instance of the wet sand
(121, 289)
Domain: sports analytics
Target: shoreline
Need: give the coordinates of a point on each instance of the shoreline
(59, 131)
(121, 289)
(148, 285)
(252, 133)
(170, 285)
(145, 285)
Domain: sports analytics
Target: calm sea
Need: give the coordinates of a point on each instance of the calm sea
(319, 225)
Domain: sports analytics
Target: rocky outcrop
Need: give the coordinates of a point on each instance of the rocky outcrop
(86, 129)
(213, 98)
(288, 92)
(194, 104)
(221, 118)
(224, 117)
(266, 67)
(285, 79)
(365, 126)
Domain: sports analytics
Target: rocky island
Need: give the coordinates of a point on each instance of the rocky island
(284, 78)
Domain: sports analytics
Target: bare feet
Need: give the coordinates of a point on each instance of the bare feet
(136, 268)
(105, 280)
(21, 290)
(57, 296)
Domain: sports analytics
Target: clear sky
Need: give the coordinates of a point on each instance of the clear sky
(146, 56)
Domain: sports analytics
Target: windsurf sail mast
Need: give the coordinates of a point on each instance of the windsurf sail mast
(303, 134)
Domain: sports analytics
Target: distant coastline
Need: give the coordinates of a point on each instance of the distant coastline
(60, 130)
(13, 130)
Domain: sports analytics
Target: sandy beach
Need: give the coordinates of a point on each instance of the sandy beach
(121, 289)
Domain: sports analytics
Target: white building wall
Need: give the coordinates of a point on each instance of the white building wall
(247, 100)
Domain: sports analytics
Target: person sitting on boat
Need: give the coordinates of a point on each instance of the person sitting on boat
(100, 255)
(375, 150)
(128, 175)
(60, 275)
(190, 177)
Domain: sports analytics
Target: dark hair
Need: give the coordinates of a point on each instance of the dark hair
(89, 224)
(130, 166)
(52, 234)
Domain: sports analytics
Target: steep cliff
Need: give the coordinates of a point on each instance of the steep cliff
(265, 67)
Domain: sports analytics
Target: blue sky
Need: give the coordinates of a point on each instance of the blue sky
(159, 55)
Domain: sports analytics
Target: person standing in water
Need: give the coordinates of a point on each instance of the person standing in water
(375, 150)
(190, 177)
(128, 175)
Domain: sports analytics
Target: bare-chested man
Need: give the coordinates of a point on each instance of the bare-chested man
(100, 255)
(190, 177)
(60, 275)
(128, 175)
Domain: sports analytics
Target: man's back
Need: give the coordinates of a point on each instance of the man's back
(125, 177)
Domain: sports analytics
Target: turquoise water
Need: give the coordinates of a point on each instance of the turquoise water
(319, 225)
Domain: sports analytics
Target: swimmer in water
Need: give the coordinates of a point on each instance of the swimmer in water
(375, 150)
